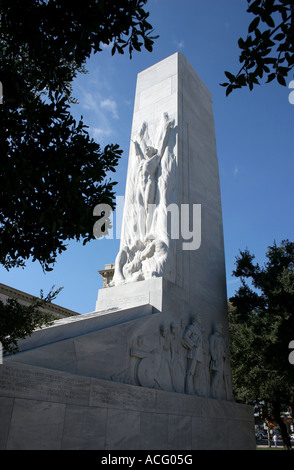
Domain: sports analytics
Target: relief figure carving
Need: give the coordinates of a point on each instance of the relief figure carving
(149, 159)
(204, 375)
(144, 241)
(177, 359)
(163, 376)
(192, 340)
(218, 354)
(145, 366)
(186, 360)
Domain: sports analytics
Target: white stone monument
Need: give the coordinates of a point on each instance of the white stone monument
(151, 365)
(172, 245)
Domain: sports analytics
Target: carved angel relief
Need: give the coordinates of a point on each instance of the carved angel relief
(144, 240)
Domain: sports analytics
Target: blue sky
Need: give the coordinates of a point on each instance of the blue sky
(254, 135)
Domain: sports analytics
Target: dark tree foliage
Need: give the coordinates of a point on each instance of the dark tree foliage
(52, 174)
(261, 328)
(17, 321)
(268, 49)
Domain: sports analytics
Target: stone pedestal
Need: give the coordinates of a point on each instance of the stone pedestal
(43, 409)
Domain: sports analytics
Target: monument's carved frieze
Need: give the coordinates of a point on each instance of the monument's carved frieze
(185, 360)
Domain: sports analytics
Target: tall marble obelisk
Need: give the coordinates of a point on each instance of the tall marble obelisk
(172, 248)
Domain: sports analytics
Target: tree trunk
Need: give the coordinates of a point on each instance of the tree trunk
(269, 442)
(282, 425)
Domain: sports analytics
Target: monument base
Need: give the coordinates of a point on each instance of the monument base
(44, 409)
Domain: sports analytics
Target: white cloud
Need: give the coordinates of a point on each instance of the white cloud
(235, 171)
(98, 113)
(99, 132)
(111, 106)
(107, 46)
(180, 44)
(89, 101)
(98, 107)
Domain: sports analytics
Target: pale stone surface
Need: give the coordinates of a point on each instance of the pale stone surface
(144, 239)
(122, 437)
(130, 295)
(84, 428)
(6, 407)
(112, 416)
(148, 351)
(192, 178)
(80, 325)
(35, 425)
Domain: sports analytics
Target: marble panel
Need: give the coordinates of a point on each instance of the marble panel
(126, 435)
(6, 406)
(36, 425)
(84, 428)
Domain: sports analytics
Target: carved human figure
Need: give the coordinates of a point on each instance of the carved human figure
(177, 359)
(133, 268)
(162, 378)
(121, 260)
(217, 348)
(149, 159)
(192, 339)
(140, 262)
(144, 368)
(128, 264)
(146, 184)
(204, 382)
(153, 258)
(145, 242)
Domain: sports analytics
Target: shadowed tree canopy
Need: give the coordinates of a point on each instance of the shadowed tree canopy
(17, 321)
(52, 174)
(261, 329)
(268, 50)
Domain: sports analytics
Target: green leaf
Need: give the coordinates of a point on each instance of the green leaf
(241, 80)
(254, 7)
(269, 21)
(253, 24)
(281, 79)
(148, 44)
(230, 76)
(279, 37)
(284, 71)
(241, 43)
(229, 90)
